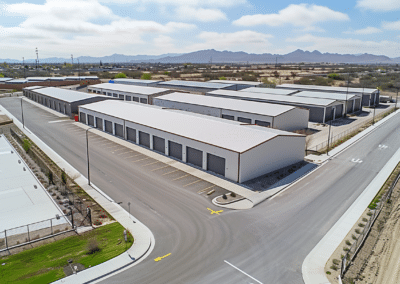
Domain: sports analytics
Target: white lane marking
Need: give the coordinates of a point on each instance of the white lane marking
(382, 147)
(56, 121)
(354, 160)
(243, 272)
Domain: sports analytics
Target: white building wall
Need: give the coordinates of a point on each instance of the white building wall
(292, 120)
(274, 154)
(188, 107)
(251, 116)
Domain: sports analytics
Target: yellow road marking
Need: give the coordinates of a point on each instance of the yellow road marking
(204, 190)
(133, 156)
(152, 163)
(113, 146)
(215, 212)
(192, 182)
(180, 177)
(160, 168)
(124, 153)
(161, 257)
(170, 172)
(141, 159)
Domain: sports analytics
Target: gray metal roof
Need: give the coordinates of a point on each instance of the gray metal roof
(328, 88)
(3, 79)
(322, 95)
(269, 91)
(37, 79)
(57, 78)
(251, 83)
(237, 137)
(17, 81)
(195, 84)
(33, 87)
(143, 90)
(230, 104)
(118, 80)
(21, 203)
(274, 98)
(65, 95)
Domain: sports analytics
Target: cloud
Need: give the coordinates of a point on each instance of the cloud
(379, 5)
(365, 31)
(298, 15)
(249, 41)
(346, 45)
(191, 3)
(391, 25)
(200, 14)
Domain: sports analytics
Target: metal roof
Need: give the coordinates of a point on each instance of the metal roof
(21, 203)
(30, 79)
(57, 78)
(66, 95)
(237, 137)
(33, 87)
(328, 88)
(118, 80)
(269, 91)
(322, 95)
(230, 104)
(273, 98)
(17, 81)
(143, 90)
(251, 83)
(3, 79)
(195, 84)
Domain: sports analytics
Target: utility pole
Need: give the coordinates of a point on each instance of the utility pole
(72, 60)
(87, 152)
(79, 71)
(23, 66)
(37, 58)
(329, 137)
(347, 92)
(22, 111)
(395, 107)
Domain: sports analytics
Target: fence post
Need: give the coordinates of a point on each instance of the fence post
(51, 226)
(5, 237)
(29, 237)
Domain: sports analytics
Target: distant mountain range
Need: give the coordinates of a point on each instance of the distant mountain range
(214, 56)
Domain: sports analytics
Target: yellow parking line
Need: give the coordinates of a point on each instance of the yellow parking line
(180, 177)
(205, 189)
(123, 148)
(124, 153)
(169, 173)
(160, 168)
(133, 156)
(115, 146)
(152, 163)
(141, 159)
(192, 182)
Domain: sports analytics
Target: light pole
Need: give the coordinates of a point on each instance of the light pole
(395, 107)
(373, 119)
(129, 209)
(23, 66)
(87, 154)
(329, 137)
(22, 111)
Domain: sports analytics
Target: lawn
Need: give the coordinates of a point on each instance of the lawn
(44, 264)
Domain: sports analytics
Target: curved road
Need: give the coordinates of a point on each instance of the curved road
(268, 242)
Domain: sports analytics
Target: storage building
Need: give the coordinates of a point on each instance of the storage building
(282, 117)
(231, 149)
(3, 80)
(272, 91)
(197, 87)
(137, 82)
(140, 94)
(239, 85)
(370, 97)
(321, 110)
(17, 81)
(37, 79)
(62, 100)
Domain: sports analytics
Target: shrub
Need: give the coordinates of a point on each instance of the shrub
(335, 261)
(369, 213)
(346, 249)
(224, 196)
(328, 272)
(361, 225)
(26, 145)
(93, 246)
(334, 267)
(146, 76)
(348, 243)
(353, 237)
(357, 231)
(120, 75)
(63, 177)
(97, 223)
(50, 176)
(364, 219)
(233, 194)
(222, 78)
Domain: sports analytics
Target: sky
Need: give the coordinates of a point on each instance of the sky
(59, 28)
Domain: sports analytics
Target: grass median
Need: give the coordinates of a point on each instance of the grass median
(44, 264)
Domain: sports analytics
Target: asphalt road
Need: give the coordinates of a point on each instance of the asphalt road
(268, 242)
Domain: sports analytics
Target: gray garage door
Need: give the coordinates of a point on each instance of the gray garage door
(350, 106)
(121, 96)
(245, 120)
(119, 130)
(82, 117)
(216, 164)
(128, 98)
(316, 114)
(131, 134)
(90, 119)
(115, 95)
(144, 139)
(108, 126)
(159, 144)
(230, 117)
(263, 123)
(99, 123)
(175, 150)
(136, 99)
(357, 104)
(194, 156)
(143, 101)
(339, 111)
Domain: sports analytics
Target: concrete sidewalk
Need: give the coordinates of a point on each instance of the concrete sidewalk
(143, 238)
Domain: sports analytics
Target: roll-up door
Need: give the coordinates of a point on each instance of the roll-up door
(99, 123)
(108, 126)
(194, 156)
(82, 117)
(230, 117)
(90, 119)
(175, 150)
(128, 98)
(263, 123)
(121, 96)
(115, 95)
(357, 104)
(135, 99)
(350, 106)
(109, 94)
(216, 164)
(131, 134)
(245, 120)
(159, 144)
(144, 139)
(119, 130)
(143, 101)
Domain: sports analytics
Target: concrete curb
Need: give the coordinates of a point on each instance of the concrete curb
(144, 239)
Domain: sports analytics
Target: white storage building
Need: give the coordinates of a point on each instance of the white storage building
(140, 94)
(282, 117)
(137, 82)
(239, 85)
(197, 87)
(237, 151)
(271, 91)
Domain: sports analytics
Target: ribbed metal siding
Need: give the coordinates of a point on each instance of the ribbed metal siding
(216, 164)
(131, 134)
(143, 101)
(244, 119)
(194, 157)
(99, 123)
(263, 123)
(159, 144)
(90, 120)
(230, 117)
(175, 150)
(108, 126)
(82, 117)
(144, 139)
(119, 130)
(135, 99)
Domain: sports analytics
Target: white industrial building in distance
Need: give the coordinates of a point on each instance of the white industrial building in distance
(282, 117)
(237, 151)
(140, 94)
(240, 85)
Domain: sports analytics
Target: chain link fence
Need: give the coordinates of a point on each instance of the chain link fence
(351, 254)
